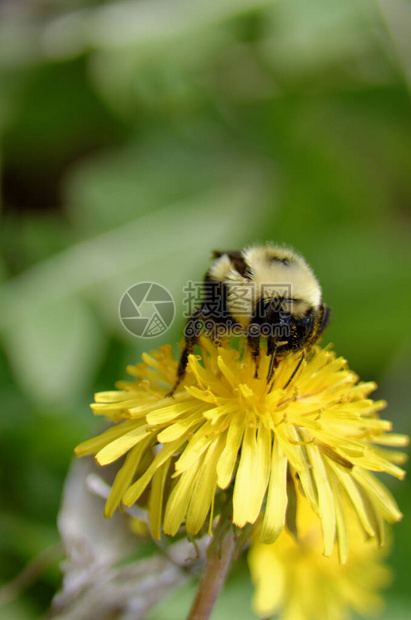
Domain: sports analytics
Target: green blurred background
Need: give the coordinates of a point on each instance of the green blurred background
(138, 136)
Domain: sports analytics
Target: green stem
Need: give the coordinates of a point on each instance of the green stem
(219, 556)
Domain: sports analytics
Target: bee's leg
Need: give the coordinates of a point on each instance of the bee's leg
(182, 364)
(295, 370)
(271, 350)
(253, 342)
(192, 333)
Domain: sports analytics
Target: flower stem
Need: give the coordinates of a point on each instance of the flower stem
(219, 556)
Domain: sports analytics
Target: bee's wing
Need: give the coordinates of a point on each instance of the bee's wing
(237, 259)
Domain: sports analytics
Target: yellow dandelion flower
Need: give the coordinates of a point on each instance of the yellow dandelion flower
(294, 580)
(225, 429)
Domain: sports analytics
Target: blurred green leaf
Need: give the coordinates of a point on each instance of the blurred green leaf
(53, 350)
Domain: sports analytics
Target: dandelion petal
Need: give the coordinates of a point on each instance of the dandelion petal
(227, 460)
(120, 446)
(243, 489)
(325, 499)
(274, 516)
(204, 488)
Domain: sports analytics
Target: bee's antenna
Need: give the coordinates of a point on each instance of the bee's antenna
(271, 350)
(295, 370)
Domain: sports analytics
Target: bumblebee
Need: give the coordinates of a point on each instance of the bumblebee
(264, 292)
